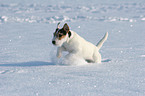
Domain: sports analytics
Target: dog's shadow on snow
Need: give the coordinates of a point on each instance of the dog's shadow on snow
(28, 64)
(106, 60)
(37, 63)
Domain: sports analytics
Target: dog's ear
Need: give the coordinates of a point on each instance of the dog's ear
(66, 27)
(58, 25)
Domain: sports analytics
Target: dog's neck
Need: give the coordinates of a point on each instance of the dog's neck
(70, 36)
(67, 45)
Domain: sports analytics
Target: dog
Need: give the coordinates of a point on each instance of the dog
(70, 41)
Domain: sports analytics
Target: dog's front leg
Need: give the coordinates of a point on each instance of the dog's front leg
(59, 51)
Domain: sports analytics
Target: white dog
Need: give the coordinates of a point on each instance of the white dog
(67, 40)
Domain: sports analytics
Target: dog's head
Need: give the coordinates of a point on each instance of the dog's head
(61, 35)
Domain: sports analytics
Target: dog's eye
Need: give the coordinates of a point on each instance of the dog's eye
(60, 35)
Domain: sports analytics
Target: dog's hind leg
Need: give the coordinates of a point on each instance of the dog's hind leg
(97, 57)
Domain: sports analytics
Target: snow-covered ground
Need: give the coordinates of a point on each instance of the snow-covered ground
(28, 66)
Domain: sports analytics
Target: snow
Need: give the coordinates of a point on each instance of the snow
(28, 63)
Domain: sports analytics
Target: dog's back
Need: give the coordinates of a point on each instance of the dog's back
(84, 48)
(80, 45)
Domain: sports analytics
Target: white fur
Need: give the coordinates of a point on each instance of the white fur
(78, 46)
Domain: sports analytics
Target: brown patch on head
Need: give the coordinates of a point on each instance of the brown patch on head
(60, 33)
(63, 36)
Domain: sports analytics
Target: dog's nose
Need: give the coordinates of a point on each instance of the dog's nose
(53, 42)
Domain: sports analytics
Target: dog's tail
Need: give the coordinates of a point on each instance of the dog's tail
(100, 43)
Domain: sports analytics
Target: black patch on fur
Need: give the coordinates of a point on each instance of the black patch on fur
(60, 35)
(56, 30)
(69, 34)
(62, 31)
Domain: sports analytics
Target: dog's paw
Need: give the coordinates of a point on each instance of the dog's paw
(58, 56)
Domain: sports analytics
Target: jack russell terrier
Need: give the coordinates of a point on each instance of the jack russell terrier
(67, 40)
